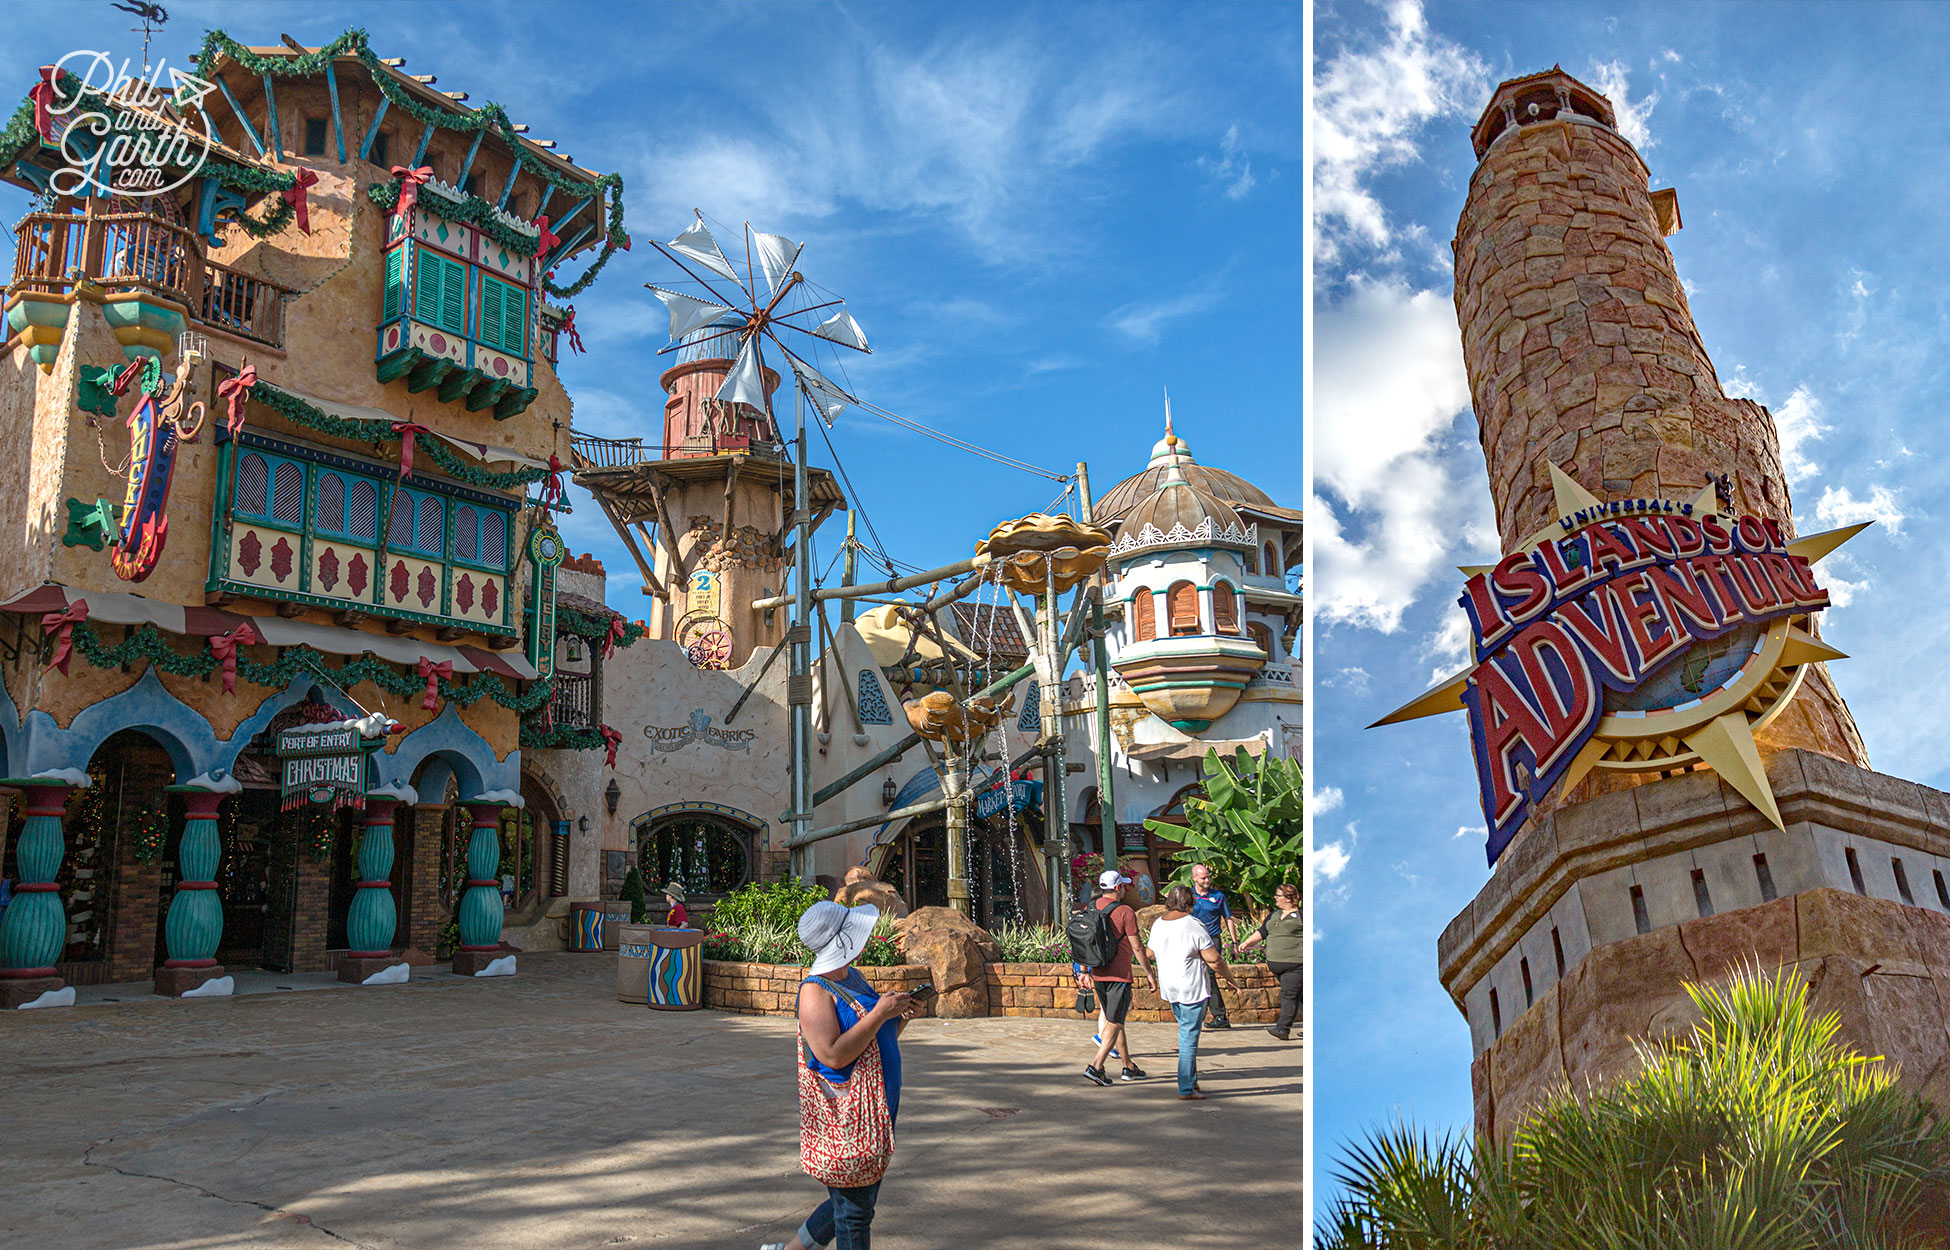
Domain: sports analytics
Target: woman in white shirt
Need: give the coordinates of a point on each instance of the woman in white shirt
(1183, 950)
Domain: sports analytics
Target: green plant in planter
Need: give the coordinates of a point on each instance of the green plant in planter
(632, 893)
(1247, 827)
(778, 904)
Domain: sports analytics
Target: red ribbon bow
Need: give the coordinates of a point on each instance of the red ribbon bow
(569, 328)
(613, 637)
(294, 195)
(410, 182)
(547, 241)
(626, 242)
(233, 391)
(43, 97)
(224, 647)
(435, 674)
(611, 740)
(65, 622)
(552, 484)
(408, 431)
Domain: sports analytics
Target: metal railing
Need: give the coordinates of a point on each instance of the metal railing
(573, 705)
(138, 252)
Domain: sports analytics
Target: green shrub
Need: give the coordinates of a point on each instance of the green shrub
(632, 893)
(779, 904)
(759, 942)
(1032, 944)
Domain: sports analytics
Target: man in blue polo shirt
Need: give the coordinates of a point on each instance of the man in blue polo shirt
(1212, 910)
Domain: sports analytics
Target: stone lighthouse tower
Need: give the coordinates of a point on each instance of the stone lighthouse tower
(1599, 410)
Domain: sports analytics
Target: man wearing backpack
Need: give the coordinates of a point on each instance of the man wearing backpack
(1104, 938)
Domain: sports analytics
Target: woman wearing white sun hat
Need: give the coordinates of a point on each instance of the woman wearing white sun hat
(844, 1025)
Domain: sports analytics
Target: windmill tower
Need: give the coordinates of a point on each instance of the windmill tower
(1722, 811)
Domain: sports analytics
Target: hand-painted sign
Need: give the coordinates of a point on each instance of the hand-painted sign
(322, 766)
(1634, 635)
(1020, 795)
(698, 729)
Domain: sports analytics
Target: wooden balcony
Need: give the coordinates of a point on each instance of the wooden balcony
(123, 252)
(573, 705)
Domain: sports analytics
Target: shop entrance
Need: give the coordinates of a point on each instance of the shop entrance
(1003, 887)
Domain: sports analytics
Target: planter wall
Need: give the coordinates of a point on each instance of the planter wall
(1013, 990)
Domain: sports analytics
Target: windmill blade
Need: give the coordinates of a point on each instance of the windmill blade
(687, 313)
(841, 328)
(776, 256)
(827, 399)
(745, 384)
(699, 244)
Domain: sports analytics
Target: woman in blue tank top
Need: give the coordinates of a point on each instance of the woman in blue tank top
(841, 1014)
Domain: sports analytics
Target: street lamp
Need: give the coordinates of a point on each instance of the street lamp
(889, 792)
(612, 794)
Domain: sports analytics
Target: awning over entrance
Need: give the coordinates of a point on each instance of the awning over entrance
(1196, 749)
(198, 622)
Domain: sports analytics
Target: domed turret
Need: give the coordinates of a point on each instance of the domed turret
(1169, 453)
(1179, 513)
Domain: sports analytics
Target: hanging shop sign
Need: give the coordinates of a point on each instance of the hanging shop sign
(320, 765)
(1632, 635)
(1021, 795)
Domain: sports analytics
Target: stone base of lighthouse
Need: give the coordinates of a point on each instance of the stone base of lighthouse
(1599, 913)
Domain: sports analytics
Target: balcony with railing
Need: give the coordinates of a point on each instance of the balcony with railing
(573, 705)
(137, 252)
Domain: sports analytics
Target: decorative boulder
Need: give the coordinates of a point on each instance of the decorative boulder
(879, 893)
(957, 952)
(1147, 916)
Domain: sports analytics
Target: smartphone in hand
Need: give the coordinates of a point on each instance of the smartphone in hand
(921, 994)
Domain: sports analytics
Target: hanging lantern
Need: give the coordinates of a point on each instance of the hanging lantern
(888, 792)
(612, 795)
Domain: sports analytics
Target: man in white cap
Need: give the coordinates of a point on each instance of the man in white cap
(1113, 979)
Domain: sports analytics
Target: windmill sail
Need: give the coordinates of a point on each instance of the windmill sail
(827, 399)
(842, 328)
(745, 384)
(698, 244)
(776, 256)
(686, 313)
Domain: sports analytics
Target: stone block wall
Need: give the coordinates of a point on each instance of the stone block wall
(132, 934)
(773, 989)
(311, 914)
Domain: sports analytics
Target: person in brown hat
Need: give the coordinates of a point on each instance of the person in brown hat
(674, 895)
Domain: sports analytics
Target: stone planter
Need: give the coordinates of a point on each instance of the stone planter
(773, 989)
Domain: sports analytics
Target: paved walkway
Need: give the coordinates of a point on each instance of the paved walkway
(538, 1112)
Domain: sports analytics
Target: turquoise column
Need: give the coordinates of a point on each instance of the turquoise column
(480, 907)
(36, 926)
(373, 916)
(194, 926)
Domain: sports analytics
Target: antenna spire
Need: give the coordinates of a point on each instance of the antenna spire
(1169, 436)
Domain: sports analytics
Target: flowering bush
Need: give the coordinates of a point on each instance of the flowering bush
(1086, 868)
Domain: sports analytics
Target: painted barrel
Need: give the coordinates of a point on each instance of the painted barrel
(586, 926)
(616, 913)
(633, 952)
(676, 970)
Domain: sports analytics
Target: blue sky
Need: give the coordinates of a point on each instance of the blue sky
(1804, 142)
(1042, 216)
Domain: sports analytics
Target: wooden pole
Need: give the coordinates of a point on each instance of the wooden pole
(850, 570)
(895, 586)
(954, 789)
(1100, 668)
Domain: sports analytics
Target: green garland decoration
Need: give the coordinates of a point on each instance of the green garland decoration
(583, 625)
(559, 737)
(323, 422)
(355, 42)
(273, 223)
(472, 210)
(146, 643)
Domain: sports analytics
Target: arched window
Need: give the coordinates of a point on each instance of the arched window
(707, 853)
(467, 533)
(494, 539)
(288, 495)
(399, 527)
(329, 512)
(1251, 560)
(431, 528)
(1181, 608)
(362, 511)
(253, 484)
(1225, 610)
(873, 703)
(1273, 560)
(1144, 616)
(1261, 635)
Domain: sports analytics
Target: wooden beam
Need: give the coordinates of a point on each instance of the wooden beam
(338, 125)
(467, 166)
(668, 532)
(569, 248)
(548, 193)
(753, 684)
(514, 172)
(420, 153)
(372, 131)
(650, 579)
(570, 215)
(654, 584)
(730, 484)
(238, 109)
(839, 666)
(271, 120)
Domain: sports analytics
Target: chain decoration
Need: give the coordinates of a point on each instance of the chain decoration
(146, 643)
(377, 433)
(355, 42)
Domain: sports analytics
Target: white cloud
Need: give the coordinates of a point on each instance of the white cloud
(1388, 388)
(1841, 588)
(1232, 167)
(1326, 800)
(1448, 646)
(1369, 106)
(1350, 678)
(1838, 506)
(1144, 322)
(1609, 77)
(1330, 860)
(1472, 831)
(1799, 423)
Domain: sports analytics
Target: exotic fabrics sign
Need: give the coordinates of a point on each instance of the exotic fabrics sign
(322, 766)
(1635, 635)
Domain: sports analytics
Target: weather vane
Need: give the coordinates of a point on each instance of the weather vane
(152, 15)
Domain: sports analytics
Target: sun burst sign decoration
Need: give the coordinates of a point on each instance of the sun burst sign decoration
(1635, 635)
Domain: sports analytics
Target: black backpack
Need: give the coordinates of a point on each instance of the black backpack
(1093, 939)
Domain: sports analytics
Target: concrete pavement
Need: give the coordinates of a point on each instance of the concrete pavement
(537, 1111)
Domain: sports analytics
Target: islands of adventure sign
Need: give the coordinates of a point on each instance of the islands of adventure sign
(1634, 635)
